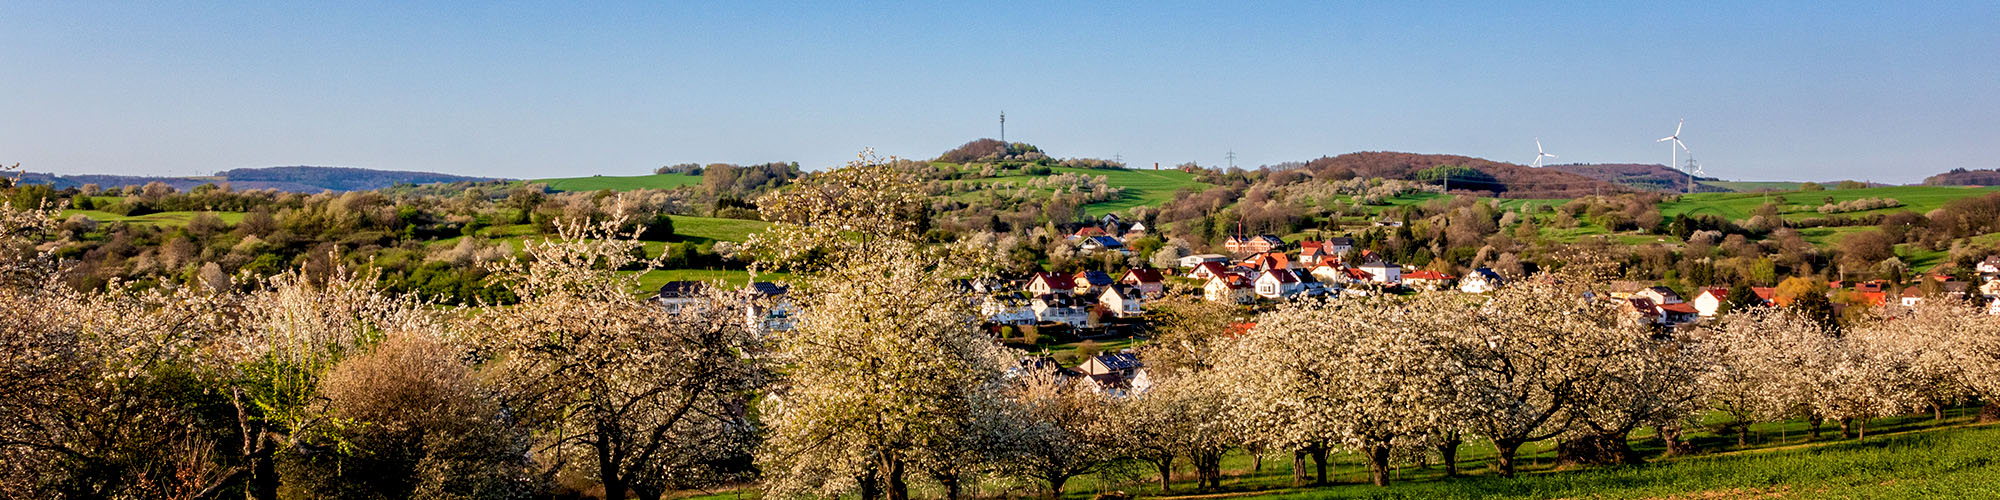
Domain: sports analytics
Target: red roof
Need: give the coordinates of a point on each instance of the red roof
(1718, 293)
(1088, 231)
(1055, 281)
(1764, 292)
(1427, 275)
(1214, 268)
(1358, 274)
(1876, 298)
(1142, 275)
(1679, 307)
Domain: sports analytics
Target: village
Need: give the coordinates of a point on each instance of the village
(1084, 310)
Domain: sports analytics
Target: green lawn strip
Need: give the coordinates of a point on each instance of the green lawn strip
(167, 219)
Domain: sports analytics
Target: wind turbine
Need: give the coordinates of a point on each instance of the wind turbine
(1674, 154)
(1539, 154)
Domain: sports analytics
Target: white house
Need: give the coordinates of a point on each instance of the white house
(1278, 284)
(1228, 289)
(1710, 301)
(1661, 295)
(1384, 272)
(770, 307)
(1007, 309)
(1197, 260)
(1059, 308)
(1148, 281)
(1121, 301)
(1047, 283)
(1209, 270)
(1480, 280)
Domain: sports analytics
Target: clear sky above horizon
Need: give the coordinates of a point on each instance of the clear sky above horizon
(1884, 91)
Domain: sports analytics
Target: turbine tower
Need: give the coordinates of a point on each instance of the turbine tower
(1674, 150)
(1539, 154)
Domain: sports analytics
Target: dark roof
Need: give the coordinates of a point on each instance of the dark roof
(1120, 361)
(1096, 278)
(1106, 241)
(681, 289)
(766, 288)
(1304, 276)
(1340, 241)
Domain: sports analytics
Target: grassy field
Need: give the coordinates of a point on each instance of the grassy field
(620, 183)
(716, 229)
(1142, 187)
(1748, 186)
(651, 280)
(1738, 206)
(166, 219)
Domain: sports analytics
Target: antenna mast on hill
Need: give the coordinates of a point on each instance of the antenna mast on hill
(1232, 158)
(1003, 126)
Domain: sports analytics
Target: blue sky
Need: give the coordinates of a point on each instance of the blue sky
(1885, 91)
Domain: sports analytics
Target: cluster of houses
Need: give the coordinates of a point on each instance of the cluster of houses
(1076, 300)
(1118, 374)
(1263, 267)
(1107, 234)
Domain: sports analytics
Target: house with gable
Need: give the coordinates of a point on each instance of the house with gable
(1051, 283)
(1102, 244)
(1208, 270)
(1710, 301)
(1122, 301)
(1228, 288)
(1060, 308)
(1118, 374)
(1092, 282)
(1383, 272)
(1253, 244)
(770, 307)
(1278, 284)
(1149, 282)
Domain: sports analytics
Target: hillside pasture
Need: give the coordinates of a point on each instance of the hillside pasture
(1149, 188)
(1801, 204)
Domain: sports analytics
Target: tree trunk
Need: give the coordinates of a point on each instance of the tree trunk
(953, 487)
(263, 479)
(1601, 448)
(1937, 412)
(1504, 450)
(1056, 482)
(1813, 425)
(1166, 466)
(1847, 428)
(870, 489)
(895, 487)
(1448, 452)
(1378, 464)
(1989, 413)
(1671, 434)
(1299, 467)
(1860, 428)
(1319, 463)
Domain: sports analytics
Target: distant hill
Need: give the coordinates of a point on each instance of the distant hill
(299, 179)
(1505, 180)
(1647, 176)
(1963, 177)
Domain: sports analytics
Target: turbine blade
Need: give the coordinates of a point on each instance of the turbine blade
(1664, 139)
(1677, 127)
